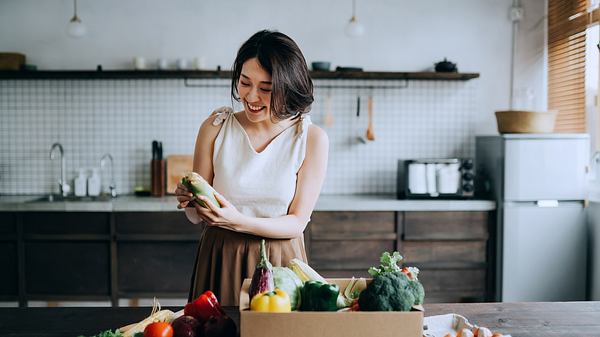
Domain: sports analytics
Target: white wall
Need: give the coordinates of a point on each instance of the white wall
(402, 35)
(531, 59)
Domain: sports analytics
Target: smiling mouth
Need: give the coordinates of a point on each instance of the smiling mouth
(254, 108)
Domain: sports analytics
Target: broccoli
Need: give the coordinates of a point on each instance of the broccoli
(387, 292)
(417, 290)
(389, 264)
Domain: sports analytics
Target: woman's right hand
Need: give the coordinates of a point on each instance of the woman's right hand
(184, 197)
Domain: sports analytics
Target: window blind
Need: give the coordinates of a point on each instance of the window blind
(567, 23)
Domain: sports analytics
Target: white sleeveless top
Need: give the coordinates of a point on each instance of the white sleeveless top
(258, 184)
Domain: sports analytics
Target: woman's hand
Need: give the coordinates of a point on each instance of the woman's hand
(184, 197)
(226, 216)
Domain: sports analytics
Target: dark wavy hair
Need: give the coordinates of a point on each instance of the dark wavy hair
(280, 56)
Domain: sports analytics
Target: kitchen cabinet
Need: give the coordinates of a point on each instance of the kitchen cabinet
(65, 225)
(66, 255)
(342, 244)
(81, 256)
(55, 256)
(68, 269)
(8, 257)
(155, 253)
(452, 249)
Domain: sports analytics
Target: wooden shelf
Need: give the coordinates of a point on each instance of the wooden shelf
(214, 74)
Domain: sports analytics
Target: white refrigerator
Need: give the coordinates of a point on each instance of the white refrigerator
(539, 183)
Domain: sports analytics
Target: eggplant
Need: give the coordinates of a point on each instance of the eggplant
(262, 280)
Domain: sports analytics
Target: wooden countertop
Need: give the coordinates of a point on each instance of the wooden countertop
(565, 319)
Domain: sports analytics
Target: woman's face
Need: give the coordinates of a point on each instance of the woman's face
(254, 87)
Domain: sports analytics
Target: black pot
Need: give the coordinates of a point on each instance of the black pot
(445, 66)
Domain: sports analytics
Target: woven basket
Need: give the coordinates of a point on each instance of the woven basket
(522, 121)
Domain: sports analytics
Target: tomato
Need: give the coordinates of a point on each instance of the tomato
(158, 329)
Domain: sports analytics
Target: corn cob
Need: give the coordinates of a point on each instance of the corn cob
(304, 271)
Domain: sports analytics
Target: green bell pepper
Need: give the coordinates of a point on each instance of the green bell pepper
(319, 296)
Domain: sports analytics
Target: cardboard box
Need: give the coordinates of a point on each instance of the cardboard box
(330, 324)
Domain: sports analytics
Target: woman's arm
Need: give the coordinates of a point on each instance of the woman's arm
(308, 186)
(203, 165)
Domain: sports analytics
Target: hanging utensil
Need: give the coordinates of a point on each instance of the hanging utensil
(360, 136)
(370, 131)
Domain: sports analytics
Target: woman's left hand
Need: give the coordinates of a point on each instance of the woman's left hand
(226, 216)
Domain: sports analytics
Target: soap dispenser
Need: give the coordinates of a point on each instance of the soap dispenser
(81, 184)
(93, 183)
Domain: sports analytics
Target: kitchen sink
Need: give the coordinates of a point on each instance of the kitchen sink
(71, 198)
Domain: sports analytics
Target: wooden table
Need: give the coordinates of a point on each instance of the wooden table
(518, 319)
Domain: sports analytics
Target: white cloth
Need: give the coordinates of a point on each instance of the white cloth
(260, 184)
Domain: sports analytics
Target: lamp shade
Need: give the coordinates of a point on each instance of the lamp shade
(354, 28)
(76, 28)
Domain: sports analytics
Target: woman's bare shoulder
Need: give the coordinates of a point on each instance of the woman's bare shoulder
(211, 126)
(317, 136)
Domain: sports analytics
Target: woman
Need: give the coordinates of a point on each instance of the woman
(266, 162)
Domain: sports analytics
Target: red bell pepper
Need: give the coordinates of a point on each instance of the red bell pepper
(205, 306)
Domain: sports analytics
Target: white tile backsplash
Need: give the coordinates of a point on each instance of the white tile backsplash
(122, 117)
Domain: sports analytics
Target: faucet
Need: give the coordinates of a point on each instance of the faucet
(112, 186)
(64, 188)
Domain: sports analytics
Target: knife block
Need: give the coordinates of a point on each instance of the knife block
(157, 178)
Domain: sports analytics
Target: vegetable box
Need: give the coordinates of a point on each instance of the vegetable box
(331, 324)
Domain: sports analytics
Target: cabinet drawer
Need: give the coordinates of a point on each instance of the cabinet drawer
(351, 223)
(67, 268)
(441, 286)
(66, 223)
(449, 280)
(156, 223)
(445, 226)
(462, 296)
(8, 223)
(146, 267)
(8, 261)
(348, 254)
(444, 252)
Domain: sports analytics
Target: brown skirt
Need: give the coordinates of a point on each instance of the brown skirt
(225, 258)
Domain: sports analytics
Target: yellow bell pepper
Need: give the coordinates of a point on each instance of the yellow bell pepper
(271, 301)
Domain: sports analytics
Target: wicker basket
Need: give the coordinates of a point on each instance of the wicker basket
(522, 121)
